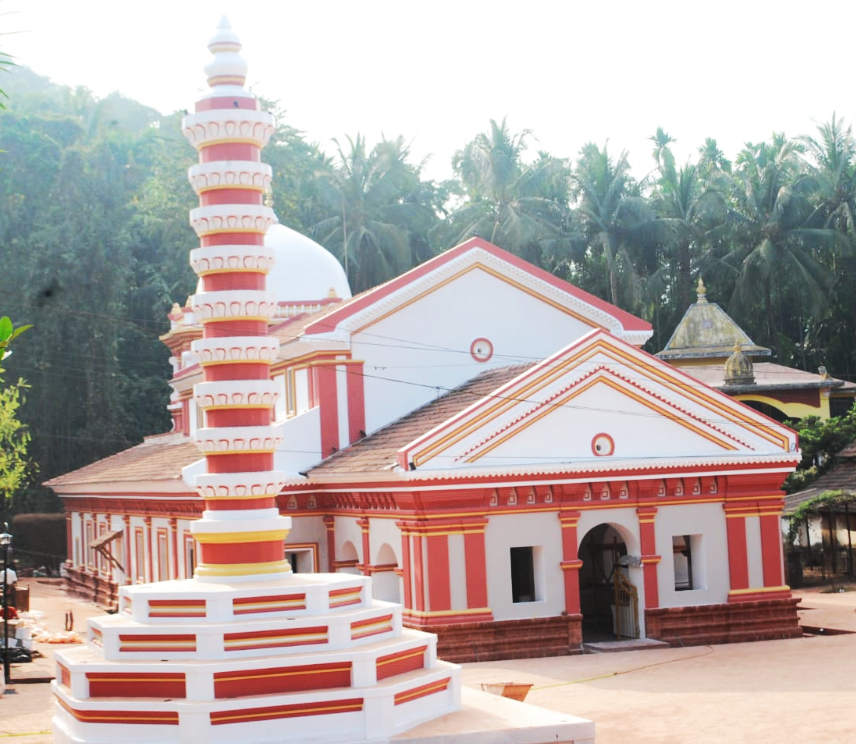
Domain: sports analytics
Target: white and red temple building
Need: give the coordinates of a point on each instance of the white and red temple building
(485, 441)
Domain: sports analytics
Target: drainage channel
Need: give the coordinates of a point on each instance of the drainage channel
(816, 630)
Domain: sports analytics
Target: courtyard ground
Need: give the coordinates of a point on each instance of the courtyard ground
(798, 691)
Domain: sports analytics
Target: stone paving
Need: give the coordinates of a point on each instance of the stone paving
(792, 692)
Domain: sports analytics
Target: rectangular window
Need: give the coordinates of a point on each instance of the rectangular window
(103, 563)
(90, 536)
(163, 556)
(290, 397)
(140, 555)
(688, 562)
(189, 556)
(279, 407)
(522, 575)
(303, 557)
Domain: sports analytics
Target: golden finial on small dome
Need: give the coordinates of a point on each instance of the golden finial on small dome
(331, 293)
(701, 291)
(738, 368)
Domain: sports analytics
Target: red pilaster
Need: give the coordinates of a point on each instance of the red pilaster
(439, 592)
(771, 549)
(329, 405)
(738, 561)
(406, 569)
(418, 574)
(570, 560)
(650, 559)
(173, 529)
(150, 556)
(129, 573)
(69, 537)
(330, 526)
(356, 402)
(475, 558)
(363, 524)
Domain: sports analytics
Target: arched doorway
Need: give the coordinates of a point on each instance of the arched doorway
(608, 600)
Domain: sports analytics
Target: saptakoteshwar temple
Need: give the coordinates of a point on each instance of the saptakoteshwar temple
(246, 650)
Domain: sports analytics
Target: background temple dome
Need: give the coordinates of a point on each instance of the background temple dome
(304, 270)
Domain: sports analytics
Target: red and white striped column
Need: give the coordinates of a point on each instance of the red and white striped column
(241, 533)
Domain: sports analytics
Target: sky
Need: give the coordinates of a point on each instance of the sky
(438, 72)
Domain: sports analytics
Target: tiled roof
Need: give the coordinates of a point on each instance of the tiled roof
(841, 478)
(158, 458)
(377, 452)
(769, 375)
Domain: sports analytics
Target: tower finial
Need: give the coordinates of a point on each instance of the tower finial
(228, 67)
(701, 292)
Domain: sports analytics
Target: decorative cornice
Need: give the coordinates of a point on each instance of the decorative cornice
(217, 126)
(231, 218)
(230, 174)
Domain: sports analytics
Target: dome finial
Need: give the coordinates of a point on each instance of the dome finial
(738, 367)
(228, 67)
(701, 291)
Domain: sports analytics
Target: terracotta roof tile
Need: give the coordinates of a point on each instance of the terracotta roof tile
(158, 458)
(841, 478)
(378, 451)
(768, 375)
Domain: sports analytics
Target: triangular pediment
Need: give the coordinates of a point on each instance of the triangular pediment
(479, 256)
(603, 400)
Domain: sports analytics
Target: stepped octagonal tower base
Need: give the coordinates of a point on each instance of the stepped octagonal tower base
(308, 658)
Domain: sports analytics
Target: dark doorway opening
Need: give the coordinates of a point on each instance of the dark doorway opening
(600, 551)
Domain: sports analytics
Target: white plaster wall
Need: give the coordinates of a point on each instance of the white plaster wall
(301, 392)
(160, 523)
(115, 522)
(135, 572)
(342, 404)
(568, 430)
(191, 414)
(753, 552)
(709, 568)
(516, 531)
(279, 410)
(428, 342)
(458, 572)
(384, 531)
(301, 443)
(76, 535)
(346, 529)
(311, 530)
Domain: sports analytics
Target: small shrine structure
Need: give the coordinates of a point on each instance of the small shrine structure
(708, 345)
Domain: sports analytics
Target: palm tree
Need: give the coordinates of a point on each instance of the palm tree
(777, 251)
(519, 206)
(692, 207)
(618, 221)
(376, 202)
(711, 158)
(831, 161)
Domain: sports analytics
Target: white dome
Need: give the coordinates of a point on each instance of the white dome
(303, 270)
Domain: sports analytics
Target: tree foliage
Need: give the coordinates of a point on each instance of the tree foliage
(15, 466)
(94, 241)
